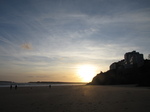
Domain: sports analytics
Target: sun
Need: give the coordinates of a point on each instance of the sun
(86, 72)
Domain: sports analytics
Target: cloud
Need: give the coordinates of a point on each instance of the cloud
(26, 46)
(6, 41)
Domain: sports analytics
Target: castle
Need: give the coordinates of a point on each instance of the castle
(131, 59)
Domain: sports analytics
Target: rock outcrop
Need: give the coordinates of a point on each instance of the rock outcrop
(133, 69)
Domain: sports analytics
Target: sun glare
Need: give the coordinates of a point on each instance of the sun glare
(86, 72)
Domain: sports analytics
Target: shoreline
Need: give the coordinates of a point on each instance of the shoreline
(38, 85)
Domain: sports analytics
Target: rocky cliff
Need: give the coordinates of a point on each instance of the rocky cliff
(134, 72)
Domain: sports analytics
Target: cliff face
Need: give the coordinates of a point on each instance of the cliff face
(132, 70)
(144, 74)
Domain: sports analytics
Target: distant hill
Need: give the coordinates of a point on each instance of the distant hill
(47, 82)
(6, 82)
(132, 70)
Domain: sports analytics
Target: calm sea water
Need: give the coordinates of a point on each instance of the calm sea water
(36, 85)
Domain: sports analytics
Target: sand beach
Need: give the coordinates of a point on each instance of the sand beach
(75, 99)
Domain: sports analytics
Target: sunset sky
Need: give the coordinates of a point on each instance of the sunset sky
(66, 40)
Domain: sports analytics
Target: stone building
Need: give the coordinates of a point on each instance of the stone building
(113, 66)
(117, 65)
(131, 59)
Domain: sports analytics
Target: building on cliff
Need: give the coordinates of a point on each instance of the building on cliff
(131, 59)
(117, 65)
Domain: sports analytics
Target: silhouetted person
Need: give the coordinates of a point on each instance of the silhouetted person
(50, 86)
(10, 87)
(15, 86)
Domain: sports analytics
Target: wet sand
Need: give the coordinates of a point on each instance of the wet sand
(75, 99)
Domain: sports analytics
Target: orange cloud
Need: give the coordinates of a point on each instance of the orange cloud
(26, 46)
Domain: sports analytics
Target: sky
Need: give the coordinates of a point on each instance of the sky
(58, 40)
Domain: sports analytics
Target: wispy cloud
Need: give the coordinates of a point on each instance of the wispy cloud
(6, 41)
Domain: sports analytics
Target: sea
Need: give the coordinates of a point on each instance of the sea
(37, 85)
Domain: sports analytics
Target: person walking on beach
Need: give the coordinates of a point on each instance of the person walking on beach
(15, 86)
(10, 87)
(50, 86)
